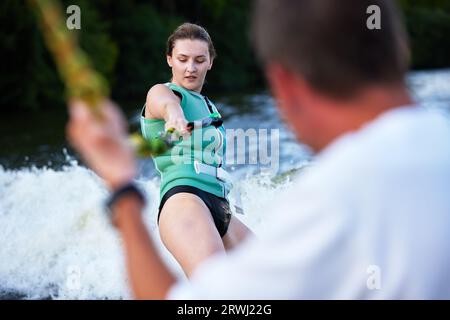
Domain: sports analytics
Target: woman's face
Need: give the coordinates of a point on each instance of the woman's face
(190, 62)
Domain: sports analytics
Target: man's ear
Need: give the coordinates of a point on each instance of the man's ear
(169, 60)
(289, 88)
(281, 82)
(211, 64)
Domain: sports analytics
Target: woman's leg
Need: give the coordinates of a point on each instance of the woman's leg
(237, 231)
(188, 231)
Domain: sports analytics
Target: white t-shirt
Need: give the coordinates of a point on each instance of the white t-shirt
(371, 221)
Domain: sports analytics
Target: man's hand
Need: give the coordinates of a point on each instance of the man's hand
(103, 142)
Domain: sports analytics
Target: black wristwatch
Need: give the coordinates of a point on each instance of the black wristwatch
(129, 188)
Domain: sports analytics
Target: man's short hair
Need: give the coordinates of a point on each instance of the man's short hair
(328, 42)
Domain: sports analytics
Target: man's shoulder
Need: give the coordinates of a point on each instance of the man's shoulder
(392, 149)
(393, 139)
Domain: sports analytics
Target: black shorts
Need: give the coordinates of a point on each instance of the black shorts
(219, 207)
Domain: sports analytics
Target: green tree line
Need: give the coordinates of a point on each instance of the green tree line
(126, 40)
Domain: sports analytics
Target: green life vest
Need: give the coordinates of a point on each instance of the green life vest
(206, 145)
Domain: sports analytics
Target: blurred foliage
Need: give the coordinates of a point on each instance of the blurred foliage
(428, 24)
(29, 77)
(126, 41)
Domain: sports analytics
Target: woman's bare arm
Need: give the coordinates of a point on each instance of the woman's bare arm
(163, 104)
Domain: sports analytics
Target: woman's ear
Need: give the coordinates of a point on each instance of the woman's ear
(169, 60)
